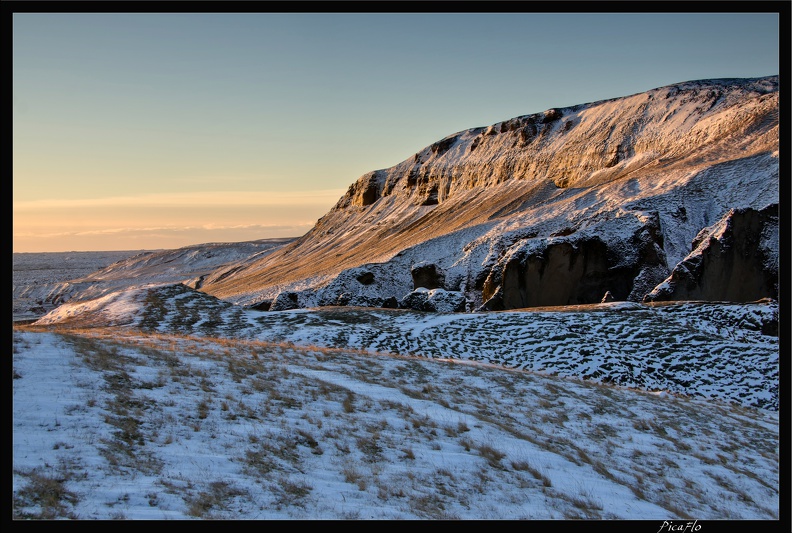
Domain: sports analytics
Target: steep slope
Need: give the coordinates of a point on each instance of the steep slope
(629, 181)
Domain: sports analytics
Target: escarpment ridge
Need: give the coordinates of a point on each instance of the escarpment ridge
(550, 208)
(670, 194)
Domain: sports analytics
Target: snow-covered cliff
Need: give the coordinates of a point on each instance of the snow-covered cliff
(613, 191)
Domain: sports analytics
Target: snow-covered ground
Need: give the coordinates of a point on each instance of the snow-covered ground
(112, 424)
(43, 281)
(162, 402)
(37, 275)
(723, 351)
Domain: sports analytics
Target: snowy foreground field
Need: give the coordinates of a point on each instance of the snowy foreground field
(163, 403)
(111, 424)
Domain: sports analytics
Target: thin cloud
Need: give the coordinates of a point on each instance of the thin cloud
(191, 199)
(167, 230)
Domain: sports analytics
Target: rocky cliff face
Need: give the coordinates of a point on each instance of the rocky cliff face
(734, 260)
(550, 208)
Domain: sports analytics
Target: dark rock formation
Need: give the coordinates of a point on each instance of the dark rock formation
(369, 285)
(436, 300)
(577, 270)
(285, 301)
(363, 192)
(551, 115)
(428, 276)
(427, 194)
(735, 260)
(390, 303)
(565, 273)
(416, 300)
(441, 147)
(263, 305)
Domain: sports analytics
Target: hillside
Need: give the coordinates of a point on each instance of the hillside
(667, 195)
(39, 279)
(43, 281)
(114, 423)
(625, 185)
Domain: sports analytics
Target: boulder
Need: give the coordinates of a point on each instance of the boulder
(435, 300)
(284, 301)
(416, 300)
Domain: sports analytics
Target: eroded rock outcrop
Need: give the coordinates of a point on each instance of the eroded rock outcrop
(734, 260)
(578, 268)
(370, 285)
(284, 301)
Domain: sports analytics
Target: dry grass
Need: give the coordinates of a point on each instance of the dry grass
(45, 494)
(359, 432)
(217, 497)
(492, 455)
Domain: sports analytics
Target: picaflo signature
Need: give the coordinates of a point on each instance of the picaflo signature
(679, 527)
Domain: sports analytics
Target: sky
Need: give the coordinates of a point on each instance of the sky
(140, 131)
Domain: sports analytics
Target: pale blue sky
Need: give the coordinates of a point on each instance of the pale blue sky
(141, 131)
